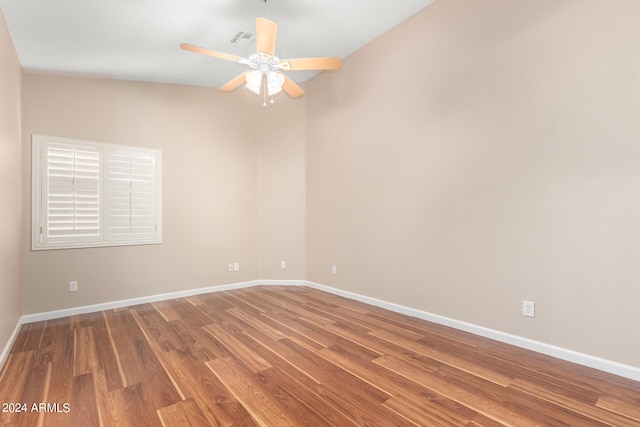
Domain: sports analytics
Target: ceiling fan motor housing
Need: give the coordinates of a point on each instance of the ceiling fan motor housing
(264, 62)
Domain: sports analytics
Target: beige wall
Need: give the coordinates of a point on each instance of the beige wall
(281, 191)
(210, 188)
(482, 153)
(10, 214)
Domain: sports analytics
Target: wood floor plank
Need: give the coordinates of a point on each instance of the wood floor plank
(290, 355)
(257, 322)
(133, 408)
(29, 337)
(413, 395)
(480, 399)
(290, 397)
(293, 306)
(239, 345)
(242, 301)
(113, 376)
(278, 356)
(366, 370)
(248, 391)
(619, 406)
(324, 413)
(62, 342)
(184, 311)
(292, 327)
(424, 414)
(369, 322)
(60, 389)
(183, 414)
(105, 401)
(288, 323)
(13, 383)
(341, 334)
(125, 345)
(45, 351)
(36, 392)
(217, 403)
(167, 309)
(346, 303)
(211, 307)
(482, 421)
(444, 357)
(558, 387)
(157, 327)
(157, 351)
(528, 407)
(198, 383)
(198, 342)
(86, 357)
(590, 411)
(83, 401)
(329, 374)
(139, 362)
(343, 389)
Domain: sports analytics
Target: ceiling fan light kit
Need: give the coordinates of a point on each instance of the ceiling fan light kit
(266, 68)
(267, 71)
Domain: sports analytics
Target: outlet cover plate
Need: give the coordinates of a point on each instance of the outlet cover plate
(529, 308)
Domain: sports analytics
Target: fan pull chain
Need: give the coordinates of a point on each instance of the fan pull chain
(264, 91)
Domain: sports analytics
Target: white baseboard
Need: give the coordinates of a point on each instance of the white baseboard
(7, 348)
(38, 317)
(616, 368)
(627, 371)
(282, 282)
(56, 314)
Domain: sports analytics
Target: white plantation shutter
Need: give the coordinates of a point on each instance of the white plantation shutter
(130, 196)
(87, 194)
(72, 194)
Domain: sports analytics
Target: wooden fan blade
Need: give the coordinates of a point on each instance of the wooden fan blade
(312, 64)
(210, 52)
(234, 83)
(266, 34)
(291, 88)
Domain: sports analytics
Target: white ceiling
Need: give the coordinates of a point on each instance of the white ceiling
(139, 39)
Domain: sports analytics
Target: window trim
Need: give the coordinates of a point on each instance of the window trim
(38, 210)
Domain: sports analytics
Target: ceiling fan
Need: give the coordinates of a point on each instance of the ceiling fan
(266, 74)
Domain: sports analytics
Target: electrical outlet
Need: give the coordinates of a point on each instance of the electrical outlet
(236, 266)
(73, 286)
(230, 267)
(334, 270)
(529, 308)
(283, 264)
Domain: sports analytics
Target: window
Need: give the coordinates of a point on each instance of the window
(88, 194)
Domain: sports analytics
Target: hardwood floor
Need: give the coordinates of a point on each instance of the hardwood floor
(277, 356)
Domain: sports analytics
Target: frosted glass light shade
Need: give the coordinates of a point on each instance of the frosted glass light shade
(274, 83)
(254, 81)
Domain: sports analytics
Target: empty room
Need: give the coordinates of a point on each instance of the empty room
(290, 213)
